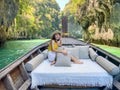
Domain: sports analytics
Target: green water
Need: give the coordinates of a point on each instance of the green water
(113, 50)
(14, 49)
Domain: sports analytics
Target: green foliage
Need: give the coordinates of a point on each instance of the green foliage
(115, 16)
(35, 19)
(24, 23)
(115, 22)
(103, 15)
(47, 17)
(72, 6)
(70, 11)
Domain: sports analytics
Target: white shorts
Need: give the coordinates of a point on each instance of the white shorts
(51, 56)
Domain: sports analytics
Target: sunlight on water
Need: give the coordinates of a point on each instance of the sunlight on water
(14, 49)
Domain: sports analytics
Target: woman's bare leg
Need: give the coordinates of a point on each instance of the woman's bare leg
(75, 60)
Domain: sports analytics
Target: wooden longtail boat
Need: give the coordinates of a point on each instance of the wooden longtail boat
(15, 76)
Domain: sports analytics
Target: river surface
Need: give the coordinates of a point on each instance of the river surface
(14, 49)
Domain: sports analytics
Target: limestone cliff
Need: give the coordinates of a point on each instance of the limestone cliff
(8, 11)
(100, 21)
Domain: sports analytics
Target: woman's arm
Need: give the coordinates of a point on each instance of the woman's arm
(58, 51)
(59, 43)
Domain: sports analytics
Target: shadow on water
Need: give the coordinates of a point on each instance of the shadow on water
(14, 49)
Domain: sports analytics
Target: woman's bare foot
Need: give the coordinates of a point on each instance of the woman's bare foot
(53, 62)
(78, 62)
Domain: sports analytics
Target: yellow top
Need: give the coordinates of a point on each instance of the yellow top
(55, 45)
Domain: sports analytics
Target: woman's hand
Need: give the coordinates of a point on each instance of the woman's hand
(64, 52)
(59, 42)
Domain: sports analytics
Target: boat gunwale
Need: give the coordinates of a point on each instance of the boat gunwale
(114, 57)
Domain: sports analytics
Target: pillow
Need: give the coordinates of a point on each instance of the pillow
(61, 48)
(93, 54)
(45, 53)
(74, 52)
(83, 52)
(33, 63)
(63, 60)
(107, 65)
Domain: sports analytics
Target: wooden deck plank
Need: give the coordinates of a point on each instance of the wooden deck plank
(2, 86)
(116, 84)
(23, 72)
(9, 83)
(25, 85)
(17, 77)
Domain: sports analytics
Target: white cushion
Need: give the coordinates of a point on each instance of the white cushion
(107, 65)
(63, 60)
(92, 54)
(45, 53)
(33, 63)
(74, 52)
(83, 52)
(61, 48)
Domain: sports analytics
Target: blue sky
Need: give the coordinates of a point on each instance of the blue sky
(62, 3)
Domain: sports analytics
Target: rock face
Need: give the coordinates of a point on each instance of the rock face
(8, 11)
(115, 22)
(100, 21)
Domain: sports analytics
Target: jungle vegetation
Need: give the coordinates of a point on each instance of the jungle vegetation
(28, 19)
(99, 19)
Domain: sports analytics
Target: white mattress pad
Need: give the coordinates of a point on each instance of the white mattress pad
(87, 74)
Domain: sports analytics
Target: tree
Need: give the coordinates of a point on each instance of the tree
(8, 11)
(47, 17)
(35, 19)
(100, 14)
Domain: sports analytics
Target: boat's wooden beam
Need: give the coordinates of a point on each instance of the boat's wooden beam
(31, 56)
(116, 84)
(106, 57)
(9, 83)
(39, 51)
(23, 72)
(2, 86)
(25, 85)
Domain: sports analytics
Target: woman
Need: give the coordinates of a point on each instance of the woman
(53, 48)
